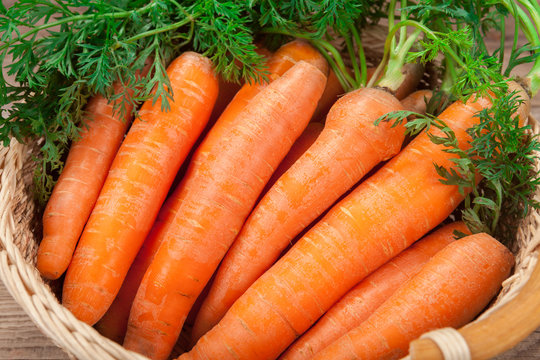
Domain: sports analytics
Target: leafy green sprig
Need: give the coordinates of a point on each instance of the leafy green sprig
(496, 171)
(324, 24)
(72, 49)
(502, 153)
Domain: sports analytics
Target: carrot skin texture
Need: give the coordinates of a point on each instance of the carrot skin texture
(349, 146)
(114, 323)
(449, 291)
(80, 182)
(227, 174)
(300, 146)
(361, 301)
(383, 216)
(136, 186)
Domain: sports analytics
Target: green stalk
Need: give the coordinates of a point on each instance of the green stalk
(503, 38)
(391, 14)
(529, 27)
(450, 75)
(324, 47)
(115, 15)
(156, 31)
(352, 55)
(343, 81)
(361, 55)
(393, 77)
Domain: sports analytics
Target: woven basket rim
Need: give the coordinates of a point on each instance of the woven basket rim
(81, 340)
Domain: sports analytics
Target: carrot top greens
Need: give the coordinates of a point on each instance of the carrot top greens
(502, 150)
(73, 49)
(65, 51)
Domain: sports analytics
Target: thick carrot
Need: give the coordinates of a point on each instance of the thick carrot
(227, 174)
(114, 322)
(300, 146)
(348, 148)
(136, 186)
(383, 216)
(331, 93)
(359, 303)
(449, 291)
(80, 182)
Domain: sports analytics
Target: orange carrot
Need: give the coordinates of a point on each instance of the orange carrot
(331, 93)
(349, 146)
(300, 146)
(136, 186)
(80, 182)
(227, 174)
(449, 291)
(359, 303)
(114, 322)
(417, 101)
(383, 216)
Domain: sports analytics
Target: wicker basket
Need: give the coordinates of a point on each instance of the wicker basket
(515, 314)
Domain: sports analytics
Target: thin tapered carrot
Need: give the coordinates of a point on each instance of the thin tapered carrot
(383, 216)
(349, 146)
(449, 291)
(227, 174)
(136, 186)
(80, 182)
(114, 323)
(359, 303)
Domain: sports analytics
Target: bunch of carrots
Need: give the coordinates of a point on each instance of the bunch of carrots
(310, 213)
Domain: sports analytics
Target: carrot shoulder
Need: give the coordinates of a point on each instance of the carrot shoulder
(227, 174)
(80, 182)
(349, 146)
(379, 219)
(359, 303)
(136, 186)
(449, 291)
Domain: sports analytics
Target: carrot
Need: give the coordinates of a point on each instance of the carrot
(383, 216)
(80, 182)
(417, 101)
(348, 148)
(331, 93)
(114, 323)
(449, 291)
(413, 72)
(227, 174)
(136, 186)
(300, 146)
(359, 303)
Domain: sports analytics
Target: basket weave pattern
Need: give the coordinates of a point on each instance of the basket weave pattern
(20, 235)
